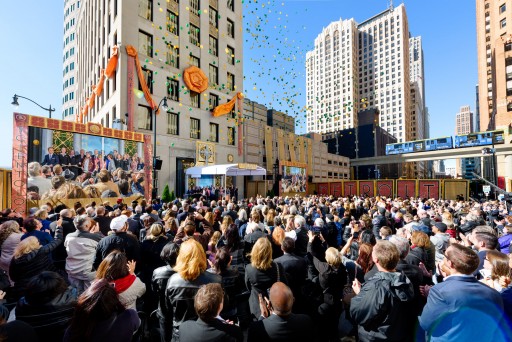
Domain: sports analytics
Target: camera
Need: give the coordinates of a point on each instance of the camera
(355, 235)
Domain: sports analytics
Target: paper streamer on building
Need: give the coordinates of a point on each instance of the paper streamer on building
(291, 147)
(310, 157)
(280, 142)
(269, 144)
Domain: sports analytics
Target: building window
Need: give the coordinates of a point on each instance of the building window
(231, 28)
(231, 81)
(173, 57)
(194, 61)
(194, 35)
(173, 23)
(231, 55)
(173, 89)
(213, 46)
(231, 4)
(194, 99)
(144, 117)
(195, 128)
(231, 136)
(503, 23)
(214, 17)
(213, 101)
(503, 8)
(194, 6)
(173, 123)
(145, 43)
(148, 76)
(214, 74)
(146, 9)
(214, 132)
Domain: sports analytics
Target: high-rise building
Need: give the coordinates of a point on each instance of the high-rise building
(169, 36)
(494, 43)
(357, 66)
(464, 125)
(69, 61)
(476, 117)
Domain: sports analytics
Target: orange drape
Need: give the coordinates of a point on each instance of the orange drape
(225, 108)
(132, 52)
(92, 98)
(195, 79)
(99, 85)
(112, 62)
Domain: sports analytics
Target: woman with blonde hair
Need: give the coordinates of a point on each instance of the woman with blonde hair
(30, 259)
(421, 251)
(261, 273)
(183, 285)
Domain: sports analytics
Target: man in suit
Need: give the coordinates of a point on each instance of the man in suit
(51, 158)
(64, 159)
(296, 269)
(277, 322)
(208, 304)
(461, 308)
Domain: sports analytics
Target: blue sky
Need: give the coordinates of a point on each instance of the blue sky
(276, 38)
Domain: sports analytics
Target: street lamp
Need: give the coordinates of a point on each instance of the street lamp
(163, 104)
(491, 151)
(16, 104)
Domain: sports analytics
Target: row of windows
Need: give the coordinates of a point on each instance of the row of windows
(69, 24)
(68, 83)
(145, 122)
(69, 53)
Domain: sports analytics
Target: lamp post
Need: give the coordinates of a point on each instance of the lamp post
(16, 104)
(163, 104)
(488, 151)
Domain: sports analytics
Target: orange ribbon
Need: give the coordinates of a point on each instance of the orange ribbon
(227, 107)
(132, 52)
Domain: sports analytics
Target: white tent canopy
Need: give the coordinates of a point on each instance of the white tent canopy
(240, 169)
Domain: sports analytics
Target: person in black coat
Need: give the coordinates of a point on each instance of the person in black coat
(51, 158)
(159, 281)
(60, 254)
(64, 159)
(261, 273)
(120, 240)
(277, 322)
(209, 327)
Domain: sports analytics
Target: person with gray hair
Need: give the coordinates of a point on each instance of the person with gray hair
(417, 275)
(301, 233)
(36, 178)
(229, 211)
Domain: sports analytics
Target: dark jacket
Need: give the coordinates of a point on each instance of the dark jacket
(382, 307)
(104, 223)
(293, 328)
(67, 227)
(258, 282)
(301, 244)
(121, 241)
(150, 257)
(212, 331)
(331, 279)
(295, 269)
(250, 240)
(50, 319)
(378, 222)
(33, 263)
(180, 295)
(159, 282)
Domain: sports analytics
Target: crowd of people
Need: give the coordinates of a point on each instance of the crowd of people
(261, 269)
(85, 175)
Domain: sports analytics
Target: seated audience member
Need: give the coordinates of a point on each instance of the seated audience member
(100, 316)
(381, 306)
(120, 273)
(47, 305)
(30, 259)
(210, 326)
(461, 307)
(105, 183)
(36, 178)
(183, 285)
(277, 321)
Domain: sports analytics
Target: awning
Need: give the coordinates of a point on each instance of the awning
(240, 169)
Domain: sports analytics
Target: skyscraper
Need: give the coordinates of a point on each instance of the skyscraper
(356, 66)
(464, 125)
(494, 42)
(69, 61)
(169, 37)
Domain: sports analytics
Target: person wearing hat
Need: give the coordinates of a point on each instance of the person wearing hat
(120, 240)
(440, 239)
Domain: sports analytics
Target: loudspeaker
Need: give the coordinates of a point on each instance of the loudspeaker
(157, 164)
(310, 179)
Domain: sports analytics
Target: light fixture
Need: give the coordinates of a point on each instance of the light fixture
(15, 101)
(165, 107)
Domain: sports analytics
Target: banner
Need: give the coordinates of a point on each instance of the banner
(349, 188)
(269, 144)
(429, 188)
(384, 188)
(280, 144)
(405, 188)
(336, 189)
(366, 189)
(19, 163)
(323, 189)
(291, 147)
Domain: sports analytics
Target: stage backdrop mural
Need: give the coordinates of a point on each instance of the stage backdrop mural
(52, 142)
